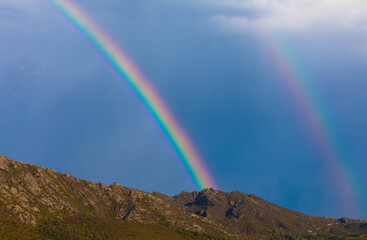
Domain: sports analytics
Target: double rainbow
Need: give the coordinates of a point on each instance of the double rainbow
(294, 78)
(129, 73)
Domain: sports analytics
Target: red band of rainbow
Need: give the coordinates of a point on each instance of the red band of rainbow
(128, 72)
(295, 80)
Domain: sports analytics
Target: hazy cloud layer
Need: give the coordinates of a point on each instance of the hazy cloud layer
(293, 15)
(13, 7)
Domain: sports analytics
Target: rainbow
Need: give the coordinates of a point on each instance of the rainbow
(126, 71)
(298, 84)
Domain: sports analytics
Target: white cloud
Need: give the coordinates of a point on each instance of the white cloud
(292, 15)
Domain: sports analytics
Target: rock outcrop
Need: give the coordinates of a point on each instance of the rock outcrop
(44, 198)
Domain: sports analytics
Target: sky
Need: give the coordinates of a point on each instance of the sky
(213, 63)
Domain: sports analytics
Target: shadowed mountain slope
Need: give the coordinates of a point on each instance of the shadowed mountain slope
(39, 203)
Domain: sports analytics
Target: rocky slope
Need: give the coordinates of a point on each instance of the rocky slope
(39, 203)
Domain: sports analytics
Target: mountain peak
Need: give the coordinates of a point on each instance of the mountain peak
(32, 197)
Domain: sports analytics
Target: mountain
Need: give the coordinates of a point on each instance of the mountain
(39, 203)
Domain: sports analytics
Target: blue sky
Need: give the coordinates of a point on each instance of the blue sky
(63, 109)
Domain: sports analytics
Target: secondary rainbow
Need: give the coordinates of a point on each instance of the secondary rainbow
(128, 72)
(296, 80)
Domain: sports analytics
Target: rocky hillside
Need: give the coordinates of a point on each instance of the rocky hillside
(39, 203)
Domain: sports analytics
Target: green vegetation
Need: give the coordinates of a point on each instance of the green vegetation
(192, 235)
(12, 229)
(85, 228)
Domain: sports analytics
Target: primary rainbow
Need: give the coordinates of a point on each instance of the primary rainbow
(297, 82)
(128, 72)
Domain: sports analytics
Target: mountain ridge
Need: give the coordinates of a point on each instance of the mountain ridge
(51, 205)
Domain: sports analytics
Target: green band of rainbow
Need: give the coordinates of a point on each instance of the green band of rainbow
(129, 73)
(297, 82)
